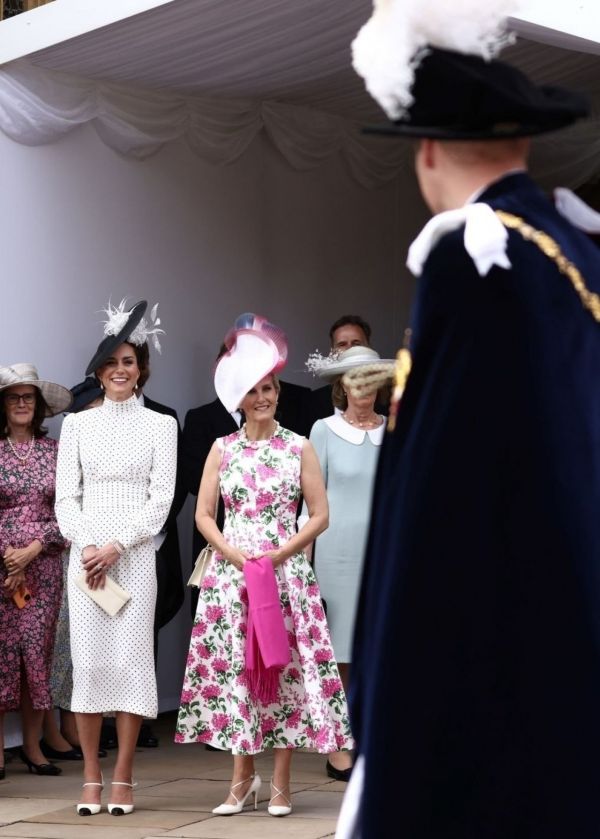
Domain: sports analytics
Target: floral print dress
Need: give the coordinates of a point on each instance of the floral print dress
(27, 513)
(260, 486)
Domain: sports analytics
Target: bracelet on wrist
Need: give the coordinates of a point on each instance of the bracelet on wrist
(118, 547)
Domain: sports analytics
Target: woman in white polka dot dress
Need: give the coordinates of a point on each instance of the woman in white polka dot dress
(114, 486)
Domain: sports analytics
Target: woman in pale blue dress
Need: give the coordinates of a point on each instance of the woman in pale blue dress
(347, 445)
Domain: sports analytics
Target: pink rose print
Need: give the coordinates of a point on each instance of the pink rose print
(179, 737)
(244, 711)
(293, 674)
(315, 633)
(331, 687)
(250, 480)
(204, 737)
(187, 696)
(277, 443)
(220, 721)
(220, 665)
(202, 671)
(324, 655)
(214, 613)
(209, 582)
(317, 611)
(211, 692)
(265, 472)
(268, 724)
(294, 719)
(245, 746)
(313, 590)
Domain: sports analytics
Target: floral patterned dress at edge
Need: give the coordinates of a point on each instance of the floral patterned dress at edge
(27, 513)
(260, 486)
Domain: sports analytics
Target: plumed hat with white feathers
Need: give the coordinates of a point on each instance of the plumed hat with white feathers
(432, 67)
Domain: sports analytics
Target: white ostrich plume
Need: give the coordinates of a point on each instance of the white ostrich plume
(117, 317)
(391, 45)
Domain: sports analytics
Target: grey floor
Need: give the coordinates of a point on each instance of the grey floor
(177, 788)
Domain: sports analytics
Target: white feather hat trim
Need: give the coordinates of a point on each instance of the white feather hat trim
(390, 46)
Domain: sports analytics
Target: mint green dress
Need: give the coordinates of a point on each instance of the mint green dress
(348, 458)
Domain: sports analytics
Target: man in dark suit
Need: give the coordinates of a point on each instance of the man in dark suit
(476, 666)
(168, 558)
(169, 576)
(201, 428)
(348, 331)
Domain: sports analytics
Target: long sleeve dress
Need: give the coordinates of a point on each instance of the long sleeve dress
(260, 486)
(115, 480)
(27, 513)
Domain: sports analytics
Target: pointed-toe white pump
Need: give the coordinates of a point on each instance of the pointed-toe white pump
(232, 809)
(279, 809)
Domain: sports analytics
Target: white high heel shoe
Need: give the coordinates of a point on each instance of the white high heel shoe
(91, 809)
(277, 809)
(121, 809)
(231, 809)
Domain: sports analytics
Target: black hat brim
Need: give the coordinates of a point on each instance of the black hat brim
(107, 347)
(431, 132)
(84, 393)
(463, 97)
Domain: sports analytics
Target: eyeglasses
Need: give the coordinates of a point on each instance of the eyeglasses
(14, 398)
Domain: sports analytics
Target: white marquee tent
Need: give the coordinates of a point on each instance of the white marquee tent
(208, 156)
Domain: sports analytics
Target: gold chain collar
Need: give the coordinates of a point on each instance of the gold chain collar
(551, 249)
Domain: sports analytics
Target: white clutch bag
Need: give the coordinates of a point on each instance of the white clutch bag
(111, 598)
(204, 559)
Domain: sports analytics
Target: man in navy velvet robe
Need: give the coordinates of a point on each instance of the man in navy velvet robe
(475, 698)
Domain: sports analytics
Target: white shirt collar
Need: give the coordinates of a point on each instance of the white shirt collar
(352, 434)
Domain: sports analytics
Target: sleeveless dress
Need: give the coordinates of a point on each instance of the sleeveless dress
(260, 486)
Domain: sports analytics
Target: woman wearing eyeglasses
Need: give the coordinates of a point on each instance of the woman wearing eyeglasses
(31, 547)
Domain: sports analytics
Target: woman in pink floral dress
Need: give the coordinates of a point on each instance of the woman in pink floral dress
(31, 549)
(261, 471)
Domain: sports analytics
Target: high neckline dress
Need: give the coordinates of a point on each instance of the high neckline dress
(115, 480)
(260, 486)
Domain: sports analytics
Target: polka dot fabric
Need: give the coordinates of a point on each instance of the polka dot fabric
(115, 480)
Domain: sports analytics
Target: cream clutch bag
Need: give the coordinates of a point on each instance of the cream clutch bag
(204, 559)
(111, 598)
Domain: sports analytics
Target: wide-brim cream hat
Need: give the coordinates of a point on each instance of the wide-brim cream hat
(255, 348)
(336, 364)
(56, 397)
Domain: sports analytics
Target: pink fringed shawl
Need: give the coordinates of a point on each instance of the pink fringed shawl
(267, 647)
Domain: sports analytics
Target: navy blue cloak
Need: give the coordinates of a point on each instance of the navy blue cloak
(475, 695)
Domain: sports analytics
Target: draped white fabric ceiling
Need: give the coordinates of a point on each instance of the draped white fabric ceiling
(217, 73)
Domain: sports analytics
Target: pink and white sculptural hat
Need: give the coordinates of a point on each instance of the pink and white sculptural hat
(255, 348)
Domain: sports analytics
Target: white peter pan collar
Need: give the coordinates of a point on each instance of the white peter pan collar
(485, 237)
(352, 434)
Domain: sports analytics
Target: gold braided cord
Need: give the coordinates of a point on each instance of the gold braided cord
(402, 368)
(589, 299)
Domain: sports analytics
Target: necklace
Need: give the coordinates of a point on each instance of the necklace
(365, 424)
(244, 435)
(17, 454)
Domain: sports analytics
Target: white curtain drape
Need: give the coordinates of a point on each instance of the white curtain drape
(39, 106)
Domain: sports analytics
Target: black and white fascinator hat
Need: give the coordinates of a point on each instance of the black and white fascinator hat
(126, 325)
